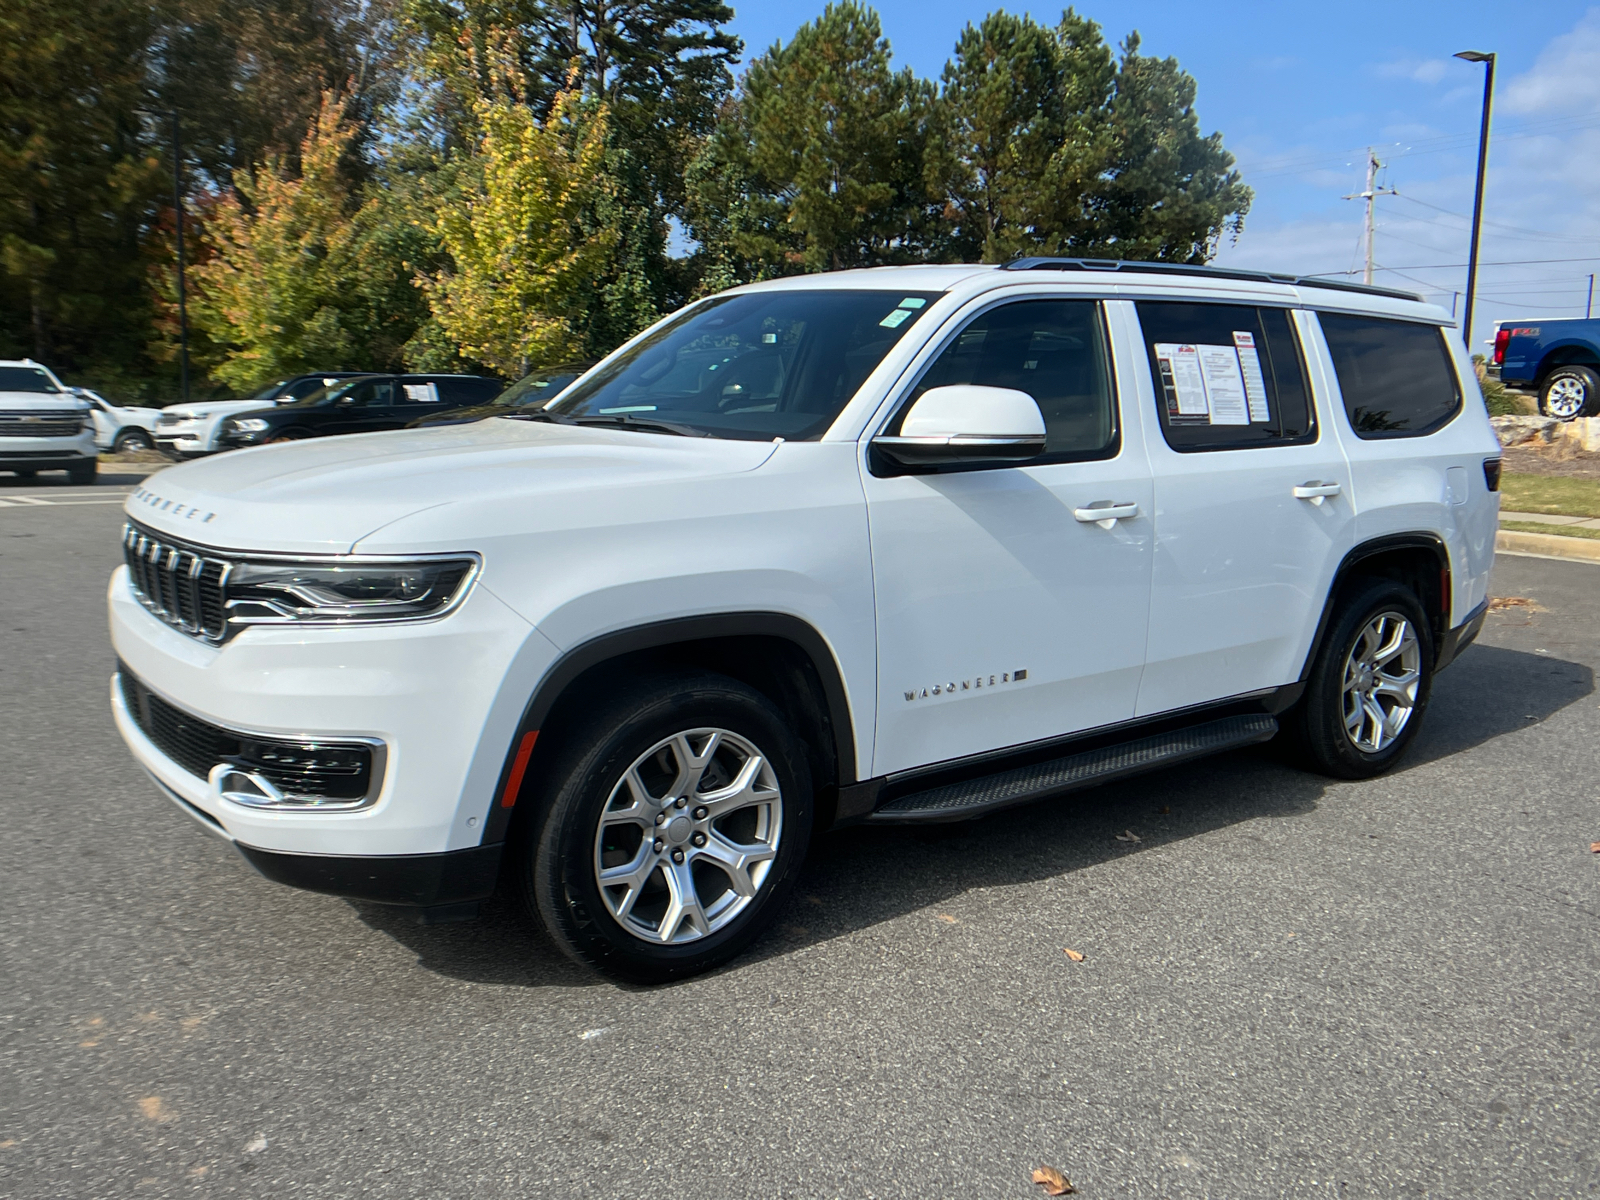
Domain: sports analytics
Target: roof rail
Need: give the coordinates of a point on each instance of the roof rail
(1169, 268)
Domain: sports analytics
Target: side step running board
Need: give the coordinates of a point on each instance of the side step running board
(974, 797)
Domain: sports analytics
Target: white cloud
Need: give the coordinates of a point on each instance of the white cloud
(1425, 70)
(1564, 78)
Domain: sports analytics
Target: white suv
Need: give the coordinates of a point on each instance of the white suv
(899, 545)
(44, 426)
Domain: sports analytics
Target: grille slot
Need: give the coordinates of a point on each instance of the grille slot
(333, 770)
(50, 423)
(180, 585)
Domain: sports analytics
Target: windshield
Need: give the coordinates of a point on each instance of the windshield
(270, 392)
(27, 379)
(541, 387)
(757, 366)
(325, 394)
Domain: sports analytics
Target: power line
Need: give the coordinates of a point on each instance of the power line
(1516, 262)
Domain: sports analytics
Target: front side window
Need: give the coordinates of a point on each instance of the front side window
(753, 366)
(27, 379)
(1055, 350)
(1227, 376)
(1395, 376)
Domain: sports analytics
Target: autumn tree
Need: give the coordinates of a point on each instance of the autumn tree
(521, 255)
(303, 271)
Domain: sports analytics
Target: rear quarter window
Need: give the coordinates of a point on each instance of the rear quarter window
(1396, 377)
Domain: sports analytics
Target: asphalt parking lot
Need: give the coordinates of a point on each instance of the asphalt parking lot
(1291, 987)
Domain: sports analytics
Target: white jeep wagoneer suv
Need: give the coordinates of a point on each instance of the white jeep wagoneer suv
(899, 545)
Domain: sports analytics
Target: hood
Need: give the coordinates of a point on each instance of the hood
(42, 401)
(212, 408)
(324, 495)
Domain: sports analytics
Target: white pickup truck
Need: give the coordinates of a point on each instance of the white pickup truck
(43, 425)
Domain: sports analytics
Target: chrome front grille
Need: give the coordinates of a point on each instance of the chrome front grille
(181, 585)
(49, 423)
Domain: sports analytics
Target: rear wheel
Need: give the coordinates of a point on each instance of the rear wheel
(83, 472)
(679, 819)
(1369, 686)
(1570, 392)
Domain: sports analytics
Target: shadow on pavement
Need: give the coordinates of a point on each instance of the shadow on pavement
(863, 876)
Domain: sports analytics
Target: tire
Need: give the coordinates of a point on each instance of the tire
(81, 473)
(1335, 728)
(25, 474)
(660, 733)
(1570, 392)
(132, 439)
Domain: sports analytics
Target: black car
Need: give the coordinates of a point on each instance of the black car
(364, 404)
(535, 390)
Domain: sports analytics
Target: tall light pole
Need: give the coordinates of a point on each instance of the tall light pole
(1478, 56)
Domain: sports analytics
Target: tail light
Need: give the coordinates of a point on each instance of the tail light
(1491, 473)
(1501, 337)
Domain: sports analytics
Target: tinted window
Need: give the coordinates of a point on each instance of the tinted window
(1227, 376)
(26, 379)
(1395, 376)
(466, 391)
(1055, 350)
(302, 388)
(367, 393)
(759, 365)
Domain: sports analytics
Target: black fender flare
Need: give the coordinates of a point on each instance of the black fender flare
(652, 636)
(1386, 544)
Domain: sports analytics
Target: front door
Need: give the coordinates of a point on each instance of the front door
(1004, 618)
(369, 405)
(1253, 502)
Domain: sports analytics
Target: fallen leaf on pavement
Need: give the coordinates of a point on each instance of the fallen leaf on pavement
(1129, 835)
(1072, 954)
(1053, 1182)
(1501, 603)
(1165, 809)
(948, 919)
(1594, 847)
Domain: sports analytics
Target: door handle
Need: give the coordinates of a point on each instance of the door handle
(1105, 513)
(1316, 490)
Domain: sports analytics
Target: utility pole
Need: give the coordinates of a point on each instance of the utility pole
(1370, 195)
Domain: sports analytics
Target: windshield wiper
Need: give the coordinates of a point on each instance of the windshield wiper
(615, 421)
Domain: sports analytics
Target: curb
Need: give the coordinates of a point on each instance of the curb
(1547, 545)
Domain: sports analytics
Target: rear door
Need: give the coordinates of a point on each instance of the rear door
(1253, 500)
(1003, 617)
(369, 405)
(1416, 451)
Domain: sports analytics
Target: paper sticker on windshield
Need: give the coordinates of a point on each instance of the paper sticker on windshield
(1255, 384)
(1183, 383)
(912, 302)
(422, 393)
(897, 318)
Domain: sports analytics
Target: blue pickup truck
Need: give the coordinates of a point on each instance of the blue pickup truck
(1560, 359)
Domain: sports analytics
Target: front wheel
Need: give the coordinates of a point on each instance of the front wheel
(133, 439)
(679, 818)
(1570, 392)
(81, 473)
(1369, 685)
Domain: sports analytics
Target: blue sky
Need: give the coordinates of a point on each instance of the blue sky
(1299, 91)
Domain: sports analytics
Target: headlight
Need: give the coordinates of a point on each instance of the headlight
(345, 593)
(247, 425)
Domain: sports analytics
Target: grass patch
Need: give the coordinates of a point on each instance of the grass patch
(1558, 495)
(1559, 530)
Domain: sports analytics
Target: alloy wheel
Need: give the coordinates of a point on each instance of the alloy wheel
(1381, 676)
(1566, 397)
(688, 836)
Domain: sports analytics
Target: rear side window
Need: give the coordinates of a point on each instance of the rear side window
(1055, 350)
(1227, 376)
(1396, 376)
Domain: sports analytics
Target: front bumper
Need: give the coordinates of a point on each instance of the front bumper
(45, 454)
(443, 697)
(181, 443)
